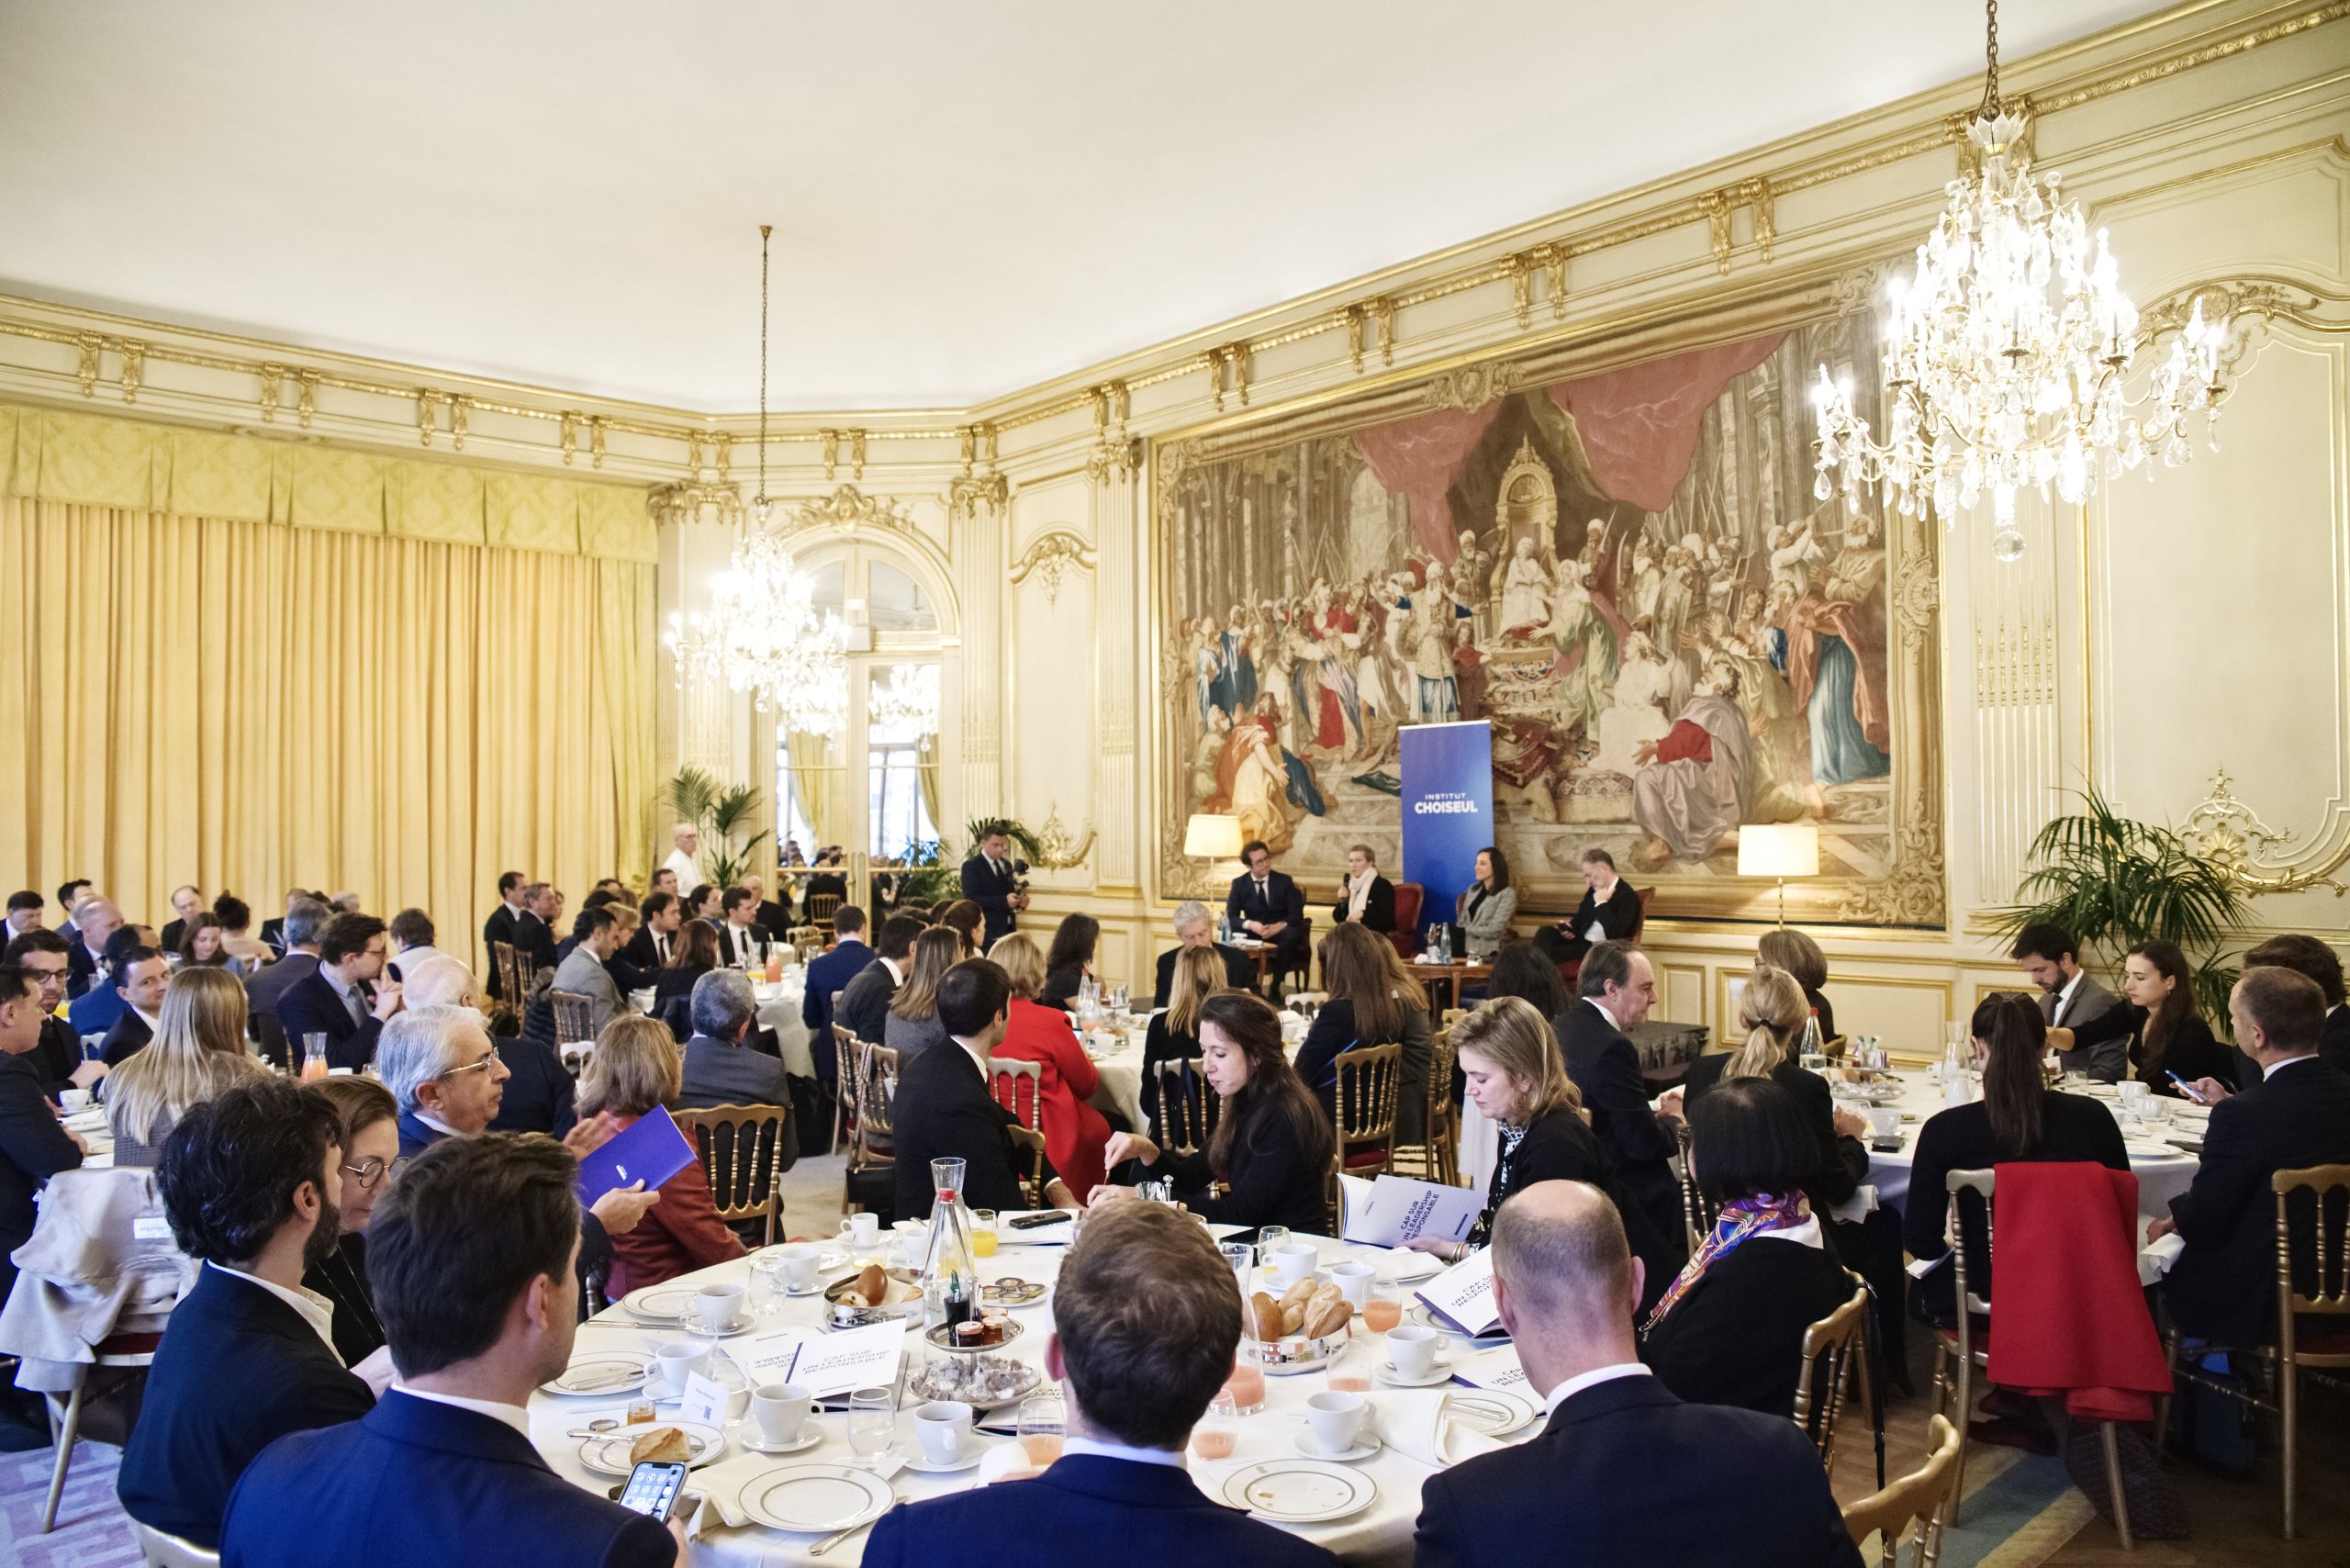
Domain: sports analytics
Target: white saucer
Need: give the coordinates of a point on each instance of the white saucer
(916, 1459)
(757, 1444)
(1365, 1446)
(1385, 1372)
(742, 1324)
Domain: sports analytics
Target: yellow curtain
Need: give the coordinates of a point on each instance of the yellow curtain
(244, 705)
(819, 781)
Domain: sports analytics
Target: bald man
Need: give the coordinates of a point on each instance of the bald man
(1623, 1471)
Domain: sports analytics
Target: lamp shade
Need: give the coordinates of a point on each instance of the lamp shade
(1211, 838)
(1776, 849)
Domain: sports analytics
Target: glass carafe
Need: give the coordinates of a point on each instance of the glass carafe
(950, 1272)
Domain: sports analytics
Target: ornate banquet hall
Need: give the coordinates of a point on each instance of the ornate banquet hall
(1283, 783)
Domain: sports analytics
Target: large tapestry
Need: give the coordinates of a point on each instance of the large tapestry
(1628, 572)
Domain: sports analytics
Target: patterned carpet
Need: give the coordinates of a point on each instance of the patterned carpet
(92, 1530)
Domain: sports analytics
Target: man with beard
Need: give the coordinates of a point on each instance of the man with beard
(251, 1184)
(1693, 787)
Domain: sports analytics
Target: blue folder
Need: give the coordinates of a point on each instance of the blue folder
(652, 1152)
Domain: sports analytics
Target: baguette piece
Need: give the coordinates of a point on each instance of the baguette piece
(1328, 1316)
(661, 1445)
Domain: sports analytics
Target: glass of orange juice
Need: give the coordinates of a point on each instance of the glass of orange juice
(983, 1233)
(1042, 1420)
(1381, 1309)
(1214, 1436)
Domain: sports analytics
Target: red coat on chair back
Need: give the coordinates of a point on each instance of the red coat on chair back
(2068, 1314)
(1074, 1131)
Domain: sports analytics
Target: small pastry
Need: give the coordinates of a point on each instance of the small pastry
(661, 1445)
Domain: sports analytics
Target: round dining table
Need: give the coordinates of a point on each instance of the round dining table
(1379, 1533)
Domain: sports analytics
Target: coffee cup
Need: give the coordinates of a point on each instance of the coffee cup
(800, 1260)
(1353, 1280)
(1292, 1261)
(783, 1411)
(678, 1363)
(862, 1231)
(1411, 1350)
(1336, 1420)
(943, 1429)
(717, 1309)
(75, 1100)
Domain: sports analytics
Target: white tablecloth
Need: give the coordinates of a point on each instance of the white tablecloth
(1117, 1055)
(780, 1010)
(1380, 1534)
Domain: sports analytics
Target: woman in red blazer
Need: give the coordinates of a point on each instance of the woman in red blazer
(635, 1067)
(1074, 1131)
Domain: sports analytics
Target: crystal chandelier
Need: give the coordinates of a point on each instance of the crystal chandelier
(2006, 354)
(762, 634)
(907, 704)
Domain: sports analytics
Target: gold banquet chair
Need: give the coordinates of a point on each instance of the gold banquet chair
(1437, 1156)
(1370, 1084)
(1005, 1075)
(1835, 1361)
(740, 1147)
(1187, 1108)
(873, 1080)
(1921, 1498)
(574, 1017)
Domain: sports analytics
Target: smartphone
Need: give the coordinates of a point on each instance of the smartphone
(654, 1489)
(1030, 1222)
(2185, 1089)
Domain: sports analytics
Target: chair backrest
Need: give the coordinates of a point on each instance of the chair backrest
(1921, 1498)
(2325, 1265)
(1004, 1076)
(1187, 1108)
(1832, 1354)
(739, 1147)
(1369, 1078)
(873, 1085)
(1031, 1143)
(575, 1016)
(1410, 897)
(1442, 1057)
(822, 907)
(162, 1551)
(1697, 1214)
(509, 974)
(1979, 1183)
(1640, 921)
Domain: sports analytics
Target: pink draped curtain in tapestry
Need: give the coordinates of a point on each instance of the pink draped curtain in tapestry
(1420, 458)
(1639, 425)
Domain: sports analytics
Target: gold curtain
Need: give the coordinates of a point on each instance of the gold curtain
(403, 710)
(820, 782)
(927, 774)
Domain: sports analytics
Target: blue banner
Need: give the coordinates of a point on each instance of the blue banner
(1447, 809)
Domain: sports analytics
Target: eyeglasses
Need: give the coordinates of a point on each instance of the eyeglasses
(372, 1171)
(482, 1065)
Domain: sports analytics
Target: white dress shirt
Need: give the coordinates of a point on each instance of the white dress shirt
(1597, 930)
(1605, 1013)
(1581, 1381)
(513, 1416)
(2065, 999)
(317, 1311)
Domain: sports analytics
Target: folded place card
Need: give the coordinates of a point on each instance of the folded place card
(827, 1365)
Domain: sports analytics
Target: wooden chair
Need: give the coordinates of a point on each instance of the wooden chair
(1697, 1214)
(1835, 1354)
(843, 1045)
(128, 1354)
(508, 965)
(1370, 1081)
(575, 1016)
(1187, 1108)
(1031, 1143)
(740, 1147)
(1922, 1498)
(160, 1551)
(822, 907)
(1410, 897)
(2312, 1327)
(1004, 1077)
(1438, 1159)
(873, 1075)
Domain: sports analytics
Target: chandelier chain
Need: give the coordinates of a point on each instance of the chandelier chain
(765, 231)
(1991, 57)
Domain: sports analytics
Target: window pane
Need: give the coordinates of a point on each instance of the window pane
(832, 590)
(896, 602)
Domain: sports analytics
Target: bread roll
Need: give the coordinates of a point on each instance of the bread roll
(1297, 1293)
(872, 1283)
(1292, 1319)
(661, 1445)
(1328, 1318)
(1265, 1316)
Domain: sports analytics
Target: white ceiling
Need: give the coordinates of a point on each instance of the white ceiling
(967, 198)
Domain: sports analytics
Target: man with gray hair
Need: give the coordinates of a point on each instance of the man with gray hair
(443, 1074)
(722, 1069)
(539, 1091)
(305, 919)
(687, 841)
(1195, 927)
(1624, 1469)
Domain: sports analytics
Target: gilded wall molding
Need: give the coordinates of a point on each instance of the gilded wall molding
(2233, 837)
(1058, 849)
(1054, 553)
(850, 511)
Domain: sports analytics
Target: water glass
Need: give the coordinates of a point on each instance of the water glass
(1043, 1420)
(767, 1285)
(872, 1420)
(1270, 1239)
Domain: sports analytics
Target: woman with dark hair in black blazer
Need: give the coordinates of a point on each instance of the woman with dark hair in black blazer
(2167, 1028)
(693, 953)
(1273, 1145)
(1070, 960)
(1730, 1329)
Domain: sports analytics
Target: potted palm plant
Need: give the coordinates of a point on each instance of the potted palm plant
(724, 814)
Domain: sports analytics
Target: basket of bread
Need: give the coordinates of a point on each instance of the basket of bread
(1300, 1327)
(873, 1294)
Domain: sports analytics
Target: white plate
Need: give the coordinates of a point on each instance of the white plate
(1298, 1491)
(660, 1303)
(608, 1456)
(1407, 1267)
(816, 1499)
(2140, 1148)
(807, 1440)
(1385, 1372)
(1493, 1411)
(1365, 1446)
(916, 1459)
(595, 1370)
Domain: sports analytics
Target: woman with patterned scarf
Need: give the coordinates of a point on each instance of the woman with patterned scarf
(1730, 1329)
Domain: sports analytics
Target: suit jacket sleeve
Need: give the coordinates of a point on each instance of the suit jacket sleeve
(30, 1136)
(1436, 1541)
(642, 1543)
(1622, 914)
(2232, 1174)
(1233, 905)
(975, 888)
(815, 1001)
(1293, 915)
(1617, 1087)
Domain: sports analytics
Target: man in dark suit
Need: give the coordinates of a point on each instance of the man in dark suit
(534, 940)
(140, 980)
(944, 1107)
(94, 923)
(1610, 911)
(1616, 989)
(348, 997)
(266, 988)
(1266, 904)
(831, 972)
(26, 907)
(657, 919)
(33, 1146)
(721, 1067)
(2296, 1115)
(765, 910)
(500, 926)
(69, 895)
(1195, 928)
(471, 1253)
(2307, 956)
(250, 1183)
(96, 1009)
(56, 1060)
(272, 932)
(2070, 997)
(741, 937)
(865, 1001)
(1364, 896)
(1623, 1471)
(1145, 1323)
(991, 879)
(186, 904)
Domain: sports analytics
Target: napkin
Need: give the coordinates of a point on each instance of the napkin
(1419, 1424)
(2156, 1257)
(721, 1486)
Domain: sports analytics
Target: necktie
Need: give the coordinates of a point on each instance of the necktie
(358, 1007)
(1261, 894)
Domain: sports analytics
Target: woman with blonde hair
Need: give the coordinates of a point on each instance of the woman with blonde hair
(912, 1023)
(634, 1069)
(1074, 1131)
(198, 1053)
(1770, 1010)
(1173, 1034)
(1374, 1001)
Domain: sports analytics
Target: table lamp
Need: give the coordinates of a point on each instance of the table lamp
(1779, 850)
(1212, 838)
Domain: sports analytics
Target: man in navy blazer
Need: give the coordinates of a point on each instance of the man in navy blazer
(1623, 1471)
(831, 972)
(346, 998)
(1266, 904)
(991, 879)
(1146, 1318)
(250, 1183)
(471, 1254)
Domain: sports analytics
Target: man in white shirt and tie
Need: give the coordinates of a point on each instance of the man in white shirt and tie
(2070, 997)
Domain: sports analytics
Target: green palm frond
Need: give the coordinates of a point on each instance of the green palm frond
(978, 828)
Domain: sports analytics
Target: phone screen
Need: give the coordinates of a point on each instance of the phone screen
(653, 1489)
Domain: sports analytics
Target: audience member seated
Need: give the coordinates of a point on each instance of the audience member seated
(1173, 1032)
(1373, 999)
(767, 912)
(471, 1254)
(57, 1060)
(186, 903)
(33, 1148)
(203, 943)
(693, 955)
(741, 939)
(865, 1001)
(2070, 998)
(534, 937)
(1145, 1321)
(199, 1054)
(1266, 905)
(1770, 1010)
(412, 934)
(634, 1069)
(1624, 1469)
(1074, 1131)
(2312, 959)
(346, 999)
(139, 979)
(969, 921)
(720, 1067)
(2160, 1019)
(1616, 987)
(1269, 1160)
(443, 1073)
(2223, 1286)
(2018, 1118)
(944, 1108)
(1365, 898)
(912, 1025)
(1729, 1330)
(702, 904)
(1485, 906)
(1610, 911)
(370, 1154)
(1524, 969)
(831, 972)
(95, 921)
(268, 985)
(1070, 962)
(582, 973)
(97, 1009)
(1195, 927)
(25, 908)
(1789, 949)
(272, 932)
(237, 938)
(537, 1095)
(250, 1183)
(628, 978)
(657, 919)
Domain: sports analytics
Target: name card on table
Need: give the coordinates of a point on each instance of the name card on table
(1392, 1210)
(1462, 1296)
(704, 1401)
(827, 1365)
